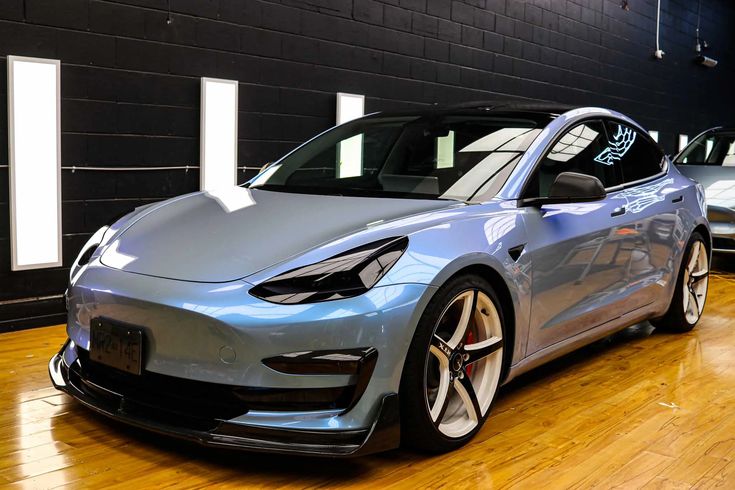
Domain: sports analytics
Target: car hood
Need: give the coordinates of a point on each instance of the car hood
(230, 234)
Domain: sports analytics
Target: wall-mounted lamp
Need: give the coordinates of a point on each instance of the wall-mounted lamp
(349, 107)
(34, 145)
(706, 61)
(218, 142)
(701, 44)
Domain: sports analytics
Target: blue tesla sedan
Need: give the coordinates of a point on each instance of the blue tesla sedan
(378, 284)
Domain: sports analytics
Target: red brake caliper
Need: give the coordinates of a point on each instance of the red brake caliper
(469, 340)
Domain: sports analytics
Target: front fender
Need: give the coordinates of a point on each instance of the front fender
(438, 253)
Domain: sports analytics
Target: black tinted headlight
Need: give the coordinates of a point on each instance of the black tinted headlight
(98, 239)
(343, 276)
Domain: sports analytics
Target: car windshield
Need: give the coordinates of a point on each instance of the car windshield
(427, 157)
(713, 148)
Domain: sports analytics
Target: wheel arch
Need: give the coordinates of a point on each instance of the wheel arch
(501, 288)
(704, 231)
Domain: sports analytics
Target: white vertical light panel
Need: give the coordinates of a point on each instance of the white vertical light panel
(445, 151)
(349, 107)
(654, 135)
(683, 141)
(708, 145)
(34, 145)
(218, 143)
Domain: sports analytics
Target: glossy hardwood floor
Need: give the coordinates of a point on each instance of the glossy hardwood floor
(640, 409)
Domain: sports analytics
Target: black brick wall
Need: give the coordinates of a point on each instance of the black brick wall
(130, 81)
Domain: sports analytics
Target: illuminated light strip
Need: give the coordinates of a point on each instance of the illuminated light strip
(30, 300)
(34, 144)
(349, 107)
(218, 145)
(683, 141)
(654, 135)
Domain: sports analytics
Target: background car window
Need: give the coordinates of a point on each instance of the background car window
(582, 149)
(639, 158)
(710, 149)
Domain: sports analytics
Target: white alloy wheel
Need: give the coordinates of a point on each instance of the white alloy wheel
(696, 280)
(463, 369)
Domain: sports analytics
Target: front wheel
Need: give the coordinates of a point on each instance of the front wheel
(690, 294)
(453, 366)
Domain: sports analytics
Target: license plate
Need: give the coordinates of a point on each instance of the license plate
(116, 345)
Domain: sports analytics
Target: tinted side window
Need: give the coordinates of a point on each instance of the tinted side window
(639, 158)
(579, 150)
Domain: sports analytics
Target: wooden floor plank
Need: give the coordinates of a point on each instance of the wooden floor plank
(642, 409)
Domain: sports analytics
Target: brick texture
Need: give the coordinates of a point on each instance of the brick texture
(130, 80)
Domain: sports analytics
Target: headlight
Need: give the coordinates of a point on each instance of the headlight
(343, 276)
(100, 238)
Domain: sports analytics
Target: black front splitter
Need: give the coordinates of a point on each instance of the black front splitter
(384, 434)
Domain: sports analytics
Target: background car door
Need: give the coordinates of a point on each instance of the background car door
(577, 253)
(650, 222)
(710, 160)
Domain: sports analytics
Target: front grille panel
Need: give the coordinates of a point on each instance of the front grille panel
(168, 396)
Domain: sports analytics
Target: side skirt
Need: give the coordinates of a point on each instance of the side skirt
(573, 343)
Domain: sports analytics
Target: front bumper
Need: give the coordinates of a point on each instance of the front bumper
(209, 430)
(218, 333)
(723, 238)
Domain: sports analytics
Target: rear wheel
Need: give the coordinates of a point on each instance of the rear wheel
(453, 366)
(690, 294)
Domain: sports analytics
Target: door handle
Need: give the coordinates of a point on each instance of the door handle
(678, 199)
(618, 211)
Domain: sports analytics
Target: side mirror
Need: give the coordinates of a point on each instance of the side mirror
(570, 187)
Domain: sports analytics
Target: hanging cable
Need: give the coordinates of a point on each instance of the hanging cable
(659, 52)
(698, 46)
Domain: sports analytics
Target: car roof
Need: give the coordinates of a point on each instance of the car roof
(495, 107)
(721, 129)
(513, 106)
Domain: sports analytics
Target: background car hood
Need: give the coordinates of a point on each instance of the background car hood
(718, 183)
(226, 235)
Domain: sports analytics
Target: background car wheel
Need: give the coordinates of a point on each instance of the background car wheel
(690, 294)
(453, 367)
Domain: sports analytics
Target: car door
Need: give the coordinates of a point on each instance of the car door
(710, 160)
(577, 252)
(650, 221)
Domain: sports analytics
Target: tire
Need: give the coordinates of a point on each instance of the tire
(690, 293)
(451, 375)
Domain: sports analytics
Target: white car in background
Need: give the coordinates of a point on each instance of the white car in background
(710, 160)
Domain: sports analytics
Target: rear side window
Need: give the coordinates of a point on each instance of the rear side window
(580, 149)
(638, 157)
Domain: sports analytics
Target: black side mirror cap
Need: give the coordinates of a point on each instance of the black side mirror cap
(570, 187)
